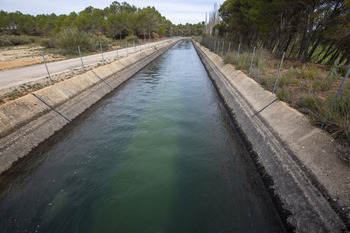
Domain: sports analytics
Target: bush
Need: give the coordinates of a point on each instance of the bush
(339, 118)
(269, 82)
(48, 43)
(244, 61)
(326, 83)
(11, 40)
(230, 58)
(130, 39)
(288, 78)
(283, 93)
(309, 74)
(69, 39)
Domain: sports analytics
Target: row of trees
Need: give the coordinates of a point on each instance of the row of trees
(310, 30)
(116, 21)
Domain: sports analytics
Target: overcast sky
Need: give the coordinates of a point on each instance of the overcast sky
(177, 11)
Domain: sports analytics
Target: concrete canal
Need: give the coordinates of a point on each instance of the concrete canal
(159, 154)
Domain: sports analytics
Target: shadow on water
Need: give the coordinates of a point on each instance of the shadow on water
(159, 154)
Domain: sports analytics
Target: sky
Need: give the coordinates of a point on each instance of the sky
(177, 11)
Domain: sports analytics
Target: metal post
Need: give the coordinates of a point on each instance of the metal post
(126, 46)
(229, 47)
(214, 46)
(103, 60)
(251, 63)
(81, 59)
(116, 45)
(335, 98)
(42, 54)
(223, 45)
(278, 74)
(239, 47)
(217, 48)
(134, 46)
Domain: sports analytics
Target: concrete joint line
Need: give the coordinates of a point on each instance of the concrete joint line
(264, 108)
(52, 108)
(102, 79)
(235, 76)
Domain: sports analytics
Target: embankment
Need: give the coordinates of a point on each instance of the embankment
(310, 185)
(30, 120)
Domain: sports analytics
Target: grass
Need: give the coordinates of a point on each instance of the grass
(21, 91)
(310, 88)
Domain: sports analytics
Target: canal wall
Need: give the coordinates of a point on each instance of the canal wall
(298, 162)
(30, 120)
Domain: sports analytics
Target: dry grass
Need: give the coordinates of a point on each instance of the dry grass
(308, 87)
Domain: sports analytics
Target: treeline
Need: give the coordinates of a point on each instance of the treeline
(309, 30)
(117, 21)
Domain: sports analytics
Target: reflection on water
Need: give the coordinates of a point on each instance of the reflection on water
(159, 155)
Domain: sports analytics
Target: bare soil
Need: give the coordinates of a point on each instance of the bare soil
(24, 55)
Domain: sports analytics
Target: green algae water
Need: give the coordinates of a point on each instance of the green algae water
(157, 155)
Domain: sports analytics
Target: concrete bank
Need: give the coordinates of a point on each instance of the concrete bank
(310, 185)
(30, 120)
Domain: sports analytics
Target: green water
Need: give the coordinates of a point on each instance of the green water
(158, 155)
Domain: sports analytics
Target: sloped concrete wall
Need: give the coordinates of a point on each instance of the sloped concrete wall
(308, 181)
(30, 120)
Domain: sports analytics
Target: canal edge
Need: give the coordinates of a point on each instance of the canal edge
(29, 121)
(311, 201)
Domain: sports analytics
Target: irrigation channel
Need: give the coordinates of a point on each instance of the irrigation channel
(159, 154)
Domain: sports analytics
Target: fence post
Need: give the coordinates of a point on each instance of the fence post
(335, 98)
(42, 54)
(278, 74)
(251, 63)
(103, 60)
(81, 59)
(229, 46)
(116, 45)
(214, 46)
(223, 45)
(218, 48)
(134, 46)
(239, 47)
(126, 46)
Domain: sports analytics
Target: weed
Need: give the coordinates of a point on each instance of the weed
(309, 74)
(283, 93)
(268, 82)
(230, 58)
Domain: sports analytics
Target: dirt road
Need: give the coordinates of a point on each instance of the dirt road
(15, 77)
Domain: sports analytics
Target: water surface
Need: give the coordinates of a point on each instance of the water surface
(158, 155)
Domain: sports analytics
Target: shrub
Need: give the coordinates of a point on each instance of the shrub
(130, 39)
(288, 78)
(339, 118)
(230, 58)
(70, 38)
(268, 82)
(11, 40)
(309, 74)
(244, 61)
(283, 93)
(48, 43)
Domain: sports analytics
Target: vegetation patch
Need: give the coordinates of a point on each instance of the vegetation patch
(308, 87)
(70, 38)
